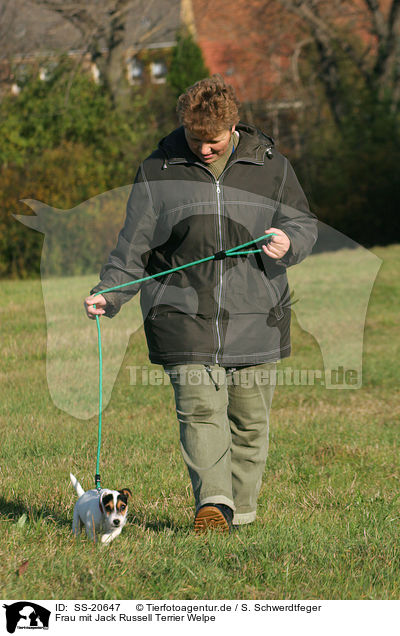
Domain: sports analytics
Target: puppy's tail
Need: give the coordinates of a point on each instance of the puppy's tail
(76, 485)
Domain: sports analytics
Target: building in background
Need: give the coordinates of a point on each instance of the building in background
(34, 36)
(231, 41)
(249, 47)
(256, 45)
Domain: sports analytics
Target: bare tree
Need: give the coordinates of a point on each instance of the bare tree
(7, 19)
(13, 45)
(364, 34)
(320, 44)
(103, 26)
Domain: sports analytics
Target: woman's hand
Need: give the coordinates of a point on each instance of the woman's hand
(100, 303)
(277, 245)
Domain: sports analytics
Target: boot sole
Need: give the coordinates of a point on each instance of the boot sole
(210, 518)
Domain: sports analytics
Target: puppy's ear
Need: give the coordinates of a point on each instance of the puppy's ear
(126, 492)
(106, 498)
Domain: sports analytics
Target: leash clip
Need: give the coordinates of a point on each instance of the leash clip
(97, 481)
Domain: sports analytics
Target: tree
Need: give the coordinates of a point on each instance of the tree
(103, 25)
(351, 52)
(63, 154)
(338, 61)
(12, 42)
(351, 39)
(187, 64)
(338, 46)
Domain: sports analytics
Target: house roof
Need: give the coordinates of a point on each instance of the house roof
(35, 30)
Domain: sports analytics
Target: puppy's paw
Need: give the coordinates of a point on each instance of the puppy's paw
(107, 538)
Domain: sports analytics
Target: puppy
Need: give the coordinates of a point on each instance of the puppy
(103, 513)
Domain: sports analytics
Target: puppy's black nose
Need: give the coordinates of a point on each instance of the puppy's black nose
(116, 522)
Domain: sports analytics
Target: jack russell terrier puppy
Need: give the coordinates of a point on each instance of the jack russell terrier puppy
(102, 512)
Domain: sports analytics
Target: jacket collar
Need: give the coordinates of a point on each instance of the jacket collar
(251, 149)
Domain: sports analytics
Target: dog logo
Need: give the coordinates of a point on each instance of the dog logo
(26, 615)
(194, 377)
(345, 270)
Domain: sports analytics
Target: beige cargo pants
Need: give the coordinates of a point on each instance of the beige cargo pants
(224, 424)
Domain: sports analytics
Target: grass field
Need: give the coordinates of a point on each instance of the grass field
(329, 516)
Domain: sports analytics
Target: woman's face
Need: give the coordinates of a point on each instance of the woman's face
(209, 149)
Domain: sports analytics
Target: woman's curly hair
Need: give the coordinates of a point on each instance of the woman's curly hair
(208, 107)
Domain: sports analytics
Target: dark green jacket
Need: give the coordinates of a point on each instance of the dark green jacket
(233, 311)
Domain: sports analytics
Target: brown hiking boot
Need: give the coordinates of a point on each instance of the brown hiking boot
(214, 517)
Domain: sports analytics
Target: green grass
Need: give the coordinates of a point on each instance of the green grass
(328, 519)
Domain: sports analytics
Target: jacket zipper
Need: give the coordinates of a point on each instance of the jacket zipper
(219, 263)
(218, 190)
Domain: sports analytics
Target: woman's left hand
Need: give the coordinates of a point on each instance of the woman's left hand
(277, 245)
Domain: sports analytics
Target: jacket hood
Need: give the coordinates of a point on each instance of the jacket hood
(253, 145)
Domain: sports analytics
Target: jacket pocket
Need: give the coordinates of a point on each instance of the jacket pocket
(277, 306)
(158, 297)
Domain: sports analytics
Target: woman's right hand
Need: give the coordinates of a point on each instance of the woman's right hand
(100, 303)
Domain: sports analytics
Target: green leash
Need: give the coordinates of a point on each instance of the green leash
(234, 251)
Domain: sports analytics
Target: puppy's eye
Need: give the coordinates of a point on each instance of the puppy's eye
(122, 507)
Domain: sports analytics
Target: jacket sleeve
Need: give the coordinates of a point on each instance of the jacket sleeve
(293, 216)
(128, 261)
